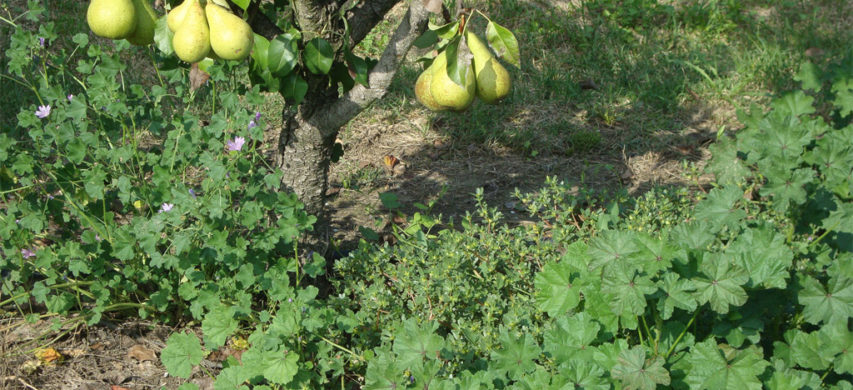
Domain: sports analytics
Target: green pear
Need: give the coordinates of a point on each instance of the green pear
(192, 40)
(146, 20)
(447, 93)
(231, 38)
(176, 16)
(114, 19)
(422, 89)
(493, 82)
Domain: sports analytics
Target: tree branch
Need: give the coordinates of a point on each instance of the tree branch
(366, 15)
(332, 117)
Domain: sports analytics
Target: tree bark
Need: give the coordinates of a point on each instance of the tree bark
(308, 135)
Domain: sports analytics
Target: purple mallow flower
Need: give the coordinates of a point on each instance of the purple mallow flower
(257, 116)
(70, 97)
(236, 144)
(41, 41)
(27, 253)
(43, 112)
(252, 124)
(166, 207)
(192, 193)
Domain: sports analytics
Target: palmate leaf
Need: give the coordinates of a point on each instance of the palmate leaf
(787, 187)
(833, 303)
(843, 90)
(636, 372)
(384, 372)
(720, 285)
(281, 366)
(656, 253)
(217, 325)
(557, 288)
(182, 352)
(677, 293)
(794, 104)
(580, 374)
(840, 345)
(629, 289)
(728, 168)
(570, 338)
(517, 355)
(720, 209)
(808, 350)
(722, 367)
(764, 255)
(610, 246)
(417, 343)
(786, 378)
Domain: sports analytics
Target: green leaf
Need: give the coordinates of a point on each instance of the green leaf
(503, 42)
(294, 88)
(843, 90)
(517, 354)
(794, 104)
(656, 253)
(764, 255)
(243, 4)
(637, 372)
(232, 378)
(720, 209)
(260, 52)
(570, 338)
(358, 67)
(785, 378)
(282, 54)
(389, 200)
(786, 187)
(163, 37)
(218, 325)
(458, 62)
(721, 284)
(833, 303)
(384, 372)
(839, 343)
(722, 367)
(629, 288)
(415, 344)
(611, 246)
(318, 56)
(809, 351)
(282, 366)
(677, 293)
(809, 76)
(580, 374)
(557, 288)
(182, 352)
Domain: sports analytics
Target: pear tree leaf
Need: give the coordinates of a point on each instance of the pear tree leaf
(282, 54)
(677, 293)
(517, 354)
(833, 303)
(260, 52)
(458, 61)
(217, 325)
(764, 255)
(318, 56)
(182, 352)
(358, 68)
(637, 372)
(570, 338)
(294, 88)
(243, 4)
(427, 39)
(721, 283)
(557, 288)
(446, 31)
(722, 367)
(163, 36)
(503, 42)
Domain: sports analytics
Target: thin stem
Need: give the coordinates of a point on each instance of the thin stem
(342, 348)
(683, 332)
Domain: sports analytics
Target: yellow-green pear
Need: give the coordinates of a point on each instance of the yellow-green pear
(231, 38)
(493, 82)
(146, 20)
(422, 89)
(176, 15)
(192, 40)
(114, 19)
(447, 93)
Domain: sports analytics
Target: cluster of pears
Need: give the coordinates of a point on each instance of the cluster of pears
(133, 20)
(487, 79)
(209, 31)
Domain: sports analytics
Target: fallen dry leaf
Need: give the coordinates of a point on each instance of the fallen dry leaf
(48, 356)
(139, 352)
(197, 77)
(114, 387)
(390, 161)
